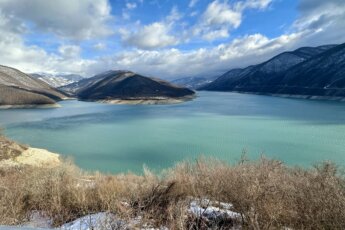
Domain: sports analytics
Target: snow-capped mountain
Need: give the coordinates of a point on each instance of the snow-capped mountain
(193, 82)
(57, 80)
(311, 71)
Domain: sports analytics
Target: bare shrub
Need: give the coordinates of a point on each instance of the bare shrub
(266, 193)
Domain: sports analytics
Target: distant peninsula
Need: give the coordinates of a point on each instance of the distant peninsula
(126, 87)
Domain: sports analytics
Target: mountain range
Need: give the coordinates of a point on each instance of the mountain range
(194, 82)
(307, 71)
(57, 80)
(18, 88)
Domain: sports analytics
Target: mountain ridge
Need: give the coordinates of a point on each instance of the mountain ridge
(288, 77)
(57, 80)
(19, 89)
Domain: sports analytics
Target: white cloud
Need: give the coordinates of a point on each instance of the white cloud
(215, 34)
(131, 6)
(69, 51)
(254, 4)
(35, 59)
(126, 15)
(218, 14)
(100, 46)
(320, 22)
(220, 17)
(30, 58)
(174, 15)
(325, 18)
(151, 36)
(193, 14)
(192, 3)
(72, 19)
(173, 63)
(154, 35)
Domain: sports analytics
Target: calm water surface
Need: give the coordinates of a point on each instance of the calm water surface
(121, 138)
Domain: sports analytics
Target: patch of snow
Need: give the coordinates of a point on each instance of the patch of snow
(97, 221)
(38, 220)
(281, 63)
(105, 220)
(206, 208)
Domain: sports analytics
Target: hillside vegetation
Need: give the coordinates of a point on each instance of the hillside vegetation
(18, 88)
(266, 194)
(308, 71)
(9, 149)
(125, 85)
(16, 96)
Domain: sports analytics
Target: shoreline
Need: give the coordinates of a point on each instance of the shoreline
(30, 106)
(147, 101)
(309, 97)
(294, 96)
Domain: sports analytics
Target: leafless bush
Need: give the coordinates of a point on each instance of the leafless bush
(266, 193)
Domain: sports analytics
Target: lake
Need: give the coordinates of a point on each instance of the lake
(121, 138)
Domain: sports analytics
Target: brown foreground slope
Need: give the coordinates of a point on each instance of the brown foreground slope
(266, 194)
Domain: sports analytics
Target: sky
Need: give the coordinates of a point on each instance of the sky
(168, 39)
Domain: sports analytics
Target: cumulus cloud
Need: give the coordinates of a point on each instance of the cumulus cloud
(69, 51)
(151, 36)
(254, 4)
(131, 6)
(220, 17)
(214, 23)
(15, 53)
(173, 63)
(192, 3)
(72, 19)
(154, 35)
(218, 13)
(325, 18)
(319, 22)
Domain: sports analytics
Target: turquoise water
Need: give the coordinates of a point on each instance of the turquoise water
(121, 138)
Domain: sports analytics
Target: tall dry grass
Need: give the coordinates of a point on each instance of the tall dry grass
(267, 194)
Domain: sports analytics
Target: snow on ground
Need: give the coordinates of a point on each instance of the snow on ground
(104, 220)
(98, 221)
(212, 210)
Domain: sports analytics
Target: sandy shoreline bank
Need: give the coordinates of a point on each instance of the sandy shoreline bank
(147, 101)
(30, 106)
(33, 157)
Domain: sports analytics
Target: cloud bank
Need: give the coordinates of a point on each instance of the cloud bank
(171, 47)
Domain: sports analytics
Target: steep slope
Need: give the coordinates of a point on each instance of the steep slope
(18, 88)
(322, 75)
(252, 77)
(125, 85)
(57, 80)
(75, 87)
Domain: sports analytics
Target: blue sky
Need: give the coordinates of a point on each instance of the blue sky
(162, 38)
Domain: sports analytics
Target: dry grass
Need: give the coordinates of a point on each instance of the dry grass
(17, 96)
(9, 149)
(268, 194)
